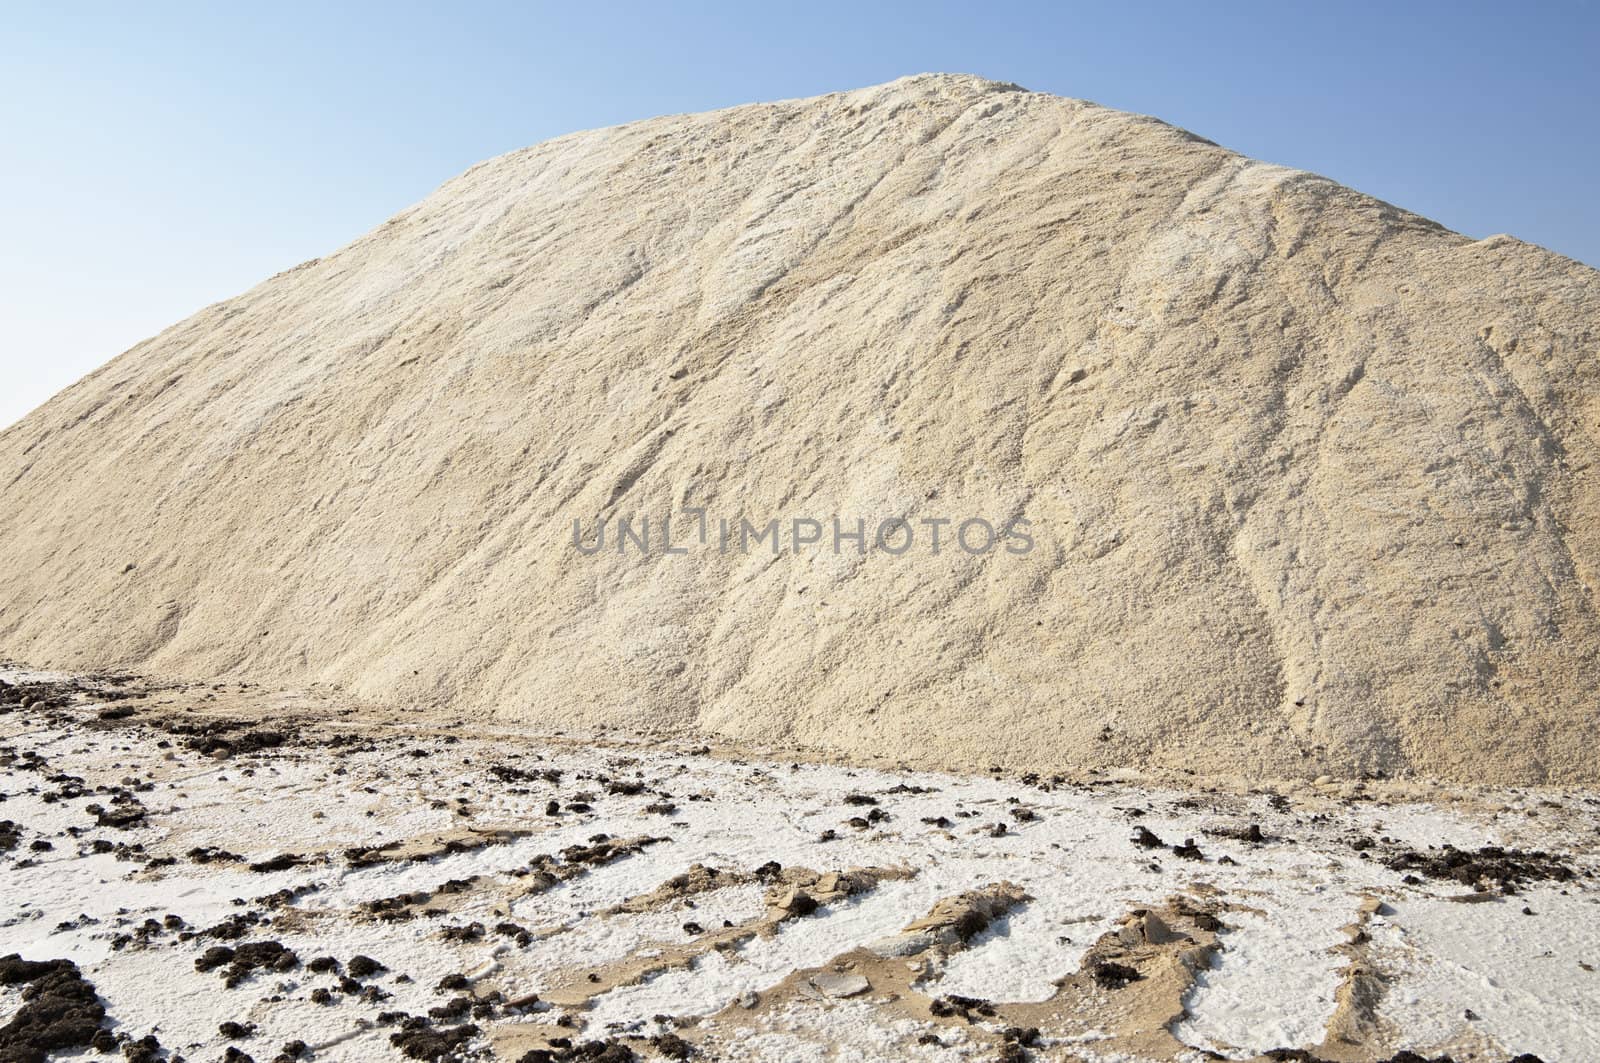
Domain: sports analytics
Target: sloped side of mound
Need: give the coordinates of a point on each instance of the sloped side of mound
(1307, 481)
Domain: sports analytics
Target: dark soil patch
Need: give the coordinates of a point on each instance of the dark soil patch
(126, 813)
(428, 1043)
(969, 1008)
(1188, 850)
(281, 862)
(247, 959)
(672, 1046)
(36, 695)
(1108, 975)
(1487, 868)
(1146, 838)
(1251, 834)
(60, 1009)
(205, 854)
(364, 967)
(562, 1050)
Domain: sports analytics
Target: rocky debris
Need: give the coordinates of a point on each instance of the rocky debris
(1173, 943)
(516, 931)
(472, 931)
(671, 1046)
(398, 908)
(60, 1009)
(281, 862)
(465, 840)
(364, 967)
(216, 737)
(508, 774)
(125, 814)
(68, 788)
(799, 891)
(1147, 928)
(1490, 867)
(233, 928)
(455, 1008)
(1188, 850)
(1196, 914)
(242, 962)
(205, 854)
(1108, 974)
(1250, 833)
(969, 1008)
(1015, 1042)
(545, 871)
(36, 696)
(953, 921)
(603, 850)
(562, 1050)
(840, 983)
(432, 1043)
(696, 880)
(1146, 838)
(143, 1050)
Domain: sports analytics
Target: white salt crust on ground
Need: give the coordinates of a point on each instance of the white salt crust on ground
(1271, 985)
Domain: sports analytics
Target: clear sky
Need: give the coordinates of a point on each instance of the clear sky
(158, 157)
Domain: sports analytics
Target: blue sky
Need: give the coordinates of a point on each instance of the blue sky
(157, 157)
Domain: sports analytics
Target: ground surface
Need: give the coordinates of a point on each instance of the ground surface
(201, 862)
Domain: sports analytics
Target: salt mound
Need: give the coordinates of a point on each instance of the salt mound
(1308, 479)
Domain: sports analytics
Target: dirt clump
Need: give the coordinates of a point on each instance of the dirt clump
(60, 1009)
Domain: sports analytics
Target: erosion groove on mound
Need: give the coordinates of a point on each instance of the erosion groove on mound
(1310, 478)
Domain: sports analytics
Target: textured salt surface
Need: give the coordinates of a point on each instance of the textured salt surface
(1271, 985)
(1521, 978)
